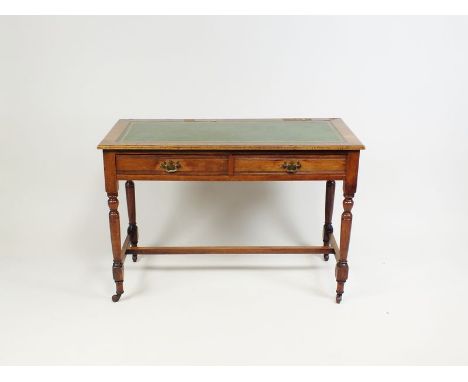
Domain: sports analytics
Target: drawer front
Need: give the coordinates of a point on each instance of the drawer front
(172, 165)
(291, 165)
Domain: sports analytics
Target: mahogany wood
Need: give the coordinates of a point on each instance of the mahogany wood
(309, 164)
(240, 162)
(328, 227)
(232, 178)
(350, 142)
(151, 164)
(349, 188)
(132, 230)
(209, 165)
(117, 265)
(228, 250)
(335, 246)
(125, 246)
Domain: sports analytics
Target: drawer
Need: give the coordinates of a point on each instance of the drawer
(172, 164)
(290, 164)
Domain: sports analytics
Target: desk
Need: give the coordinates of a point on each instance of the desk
(230, 150)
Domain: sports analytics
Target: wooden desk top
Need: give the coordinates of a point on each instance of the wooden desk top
(231, 134)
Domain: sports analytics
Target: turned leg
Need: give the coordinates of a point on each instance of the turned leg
(342, 263)
(327, 227)
(117, 266)
(349, 189)
(132, 230)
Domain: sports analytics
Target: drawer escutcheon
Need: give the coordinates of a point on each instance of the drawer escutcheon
(170, 166)
(291, 167)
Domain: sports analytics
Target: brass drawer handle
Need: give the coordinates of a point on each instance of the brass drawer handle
(170, 166)
(292, 166)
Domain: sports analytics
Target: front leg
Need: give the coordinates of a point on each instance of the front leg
(349, 189)
(341, 271)
(114, 223)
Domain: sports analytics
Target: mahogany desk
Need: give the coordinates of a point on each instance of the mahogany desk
(230, 150)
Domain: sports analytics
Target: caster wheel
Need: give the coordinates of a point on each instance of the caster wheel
(134, 258)
(116, 297)
(326, 257)
(338, 298)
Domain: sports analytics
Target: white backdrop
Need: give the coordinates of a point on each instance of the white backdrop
(398, 82)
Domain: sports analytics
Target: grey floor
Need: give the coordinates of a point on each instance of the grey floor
(400, 306)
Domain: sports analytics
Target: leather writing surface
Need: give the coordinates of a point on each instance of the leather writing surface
(225, 131)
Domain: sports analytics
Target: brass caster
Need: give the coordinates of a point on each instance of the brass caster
(338, 298)
(326, 257)
(134, 258)
(116, 297)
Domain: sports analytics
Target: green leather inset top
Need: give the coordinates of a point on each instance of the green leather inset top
(230, 131)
